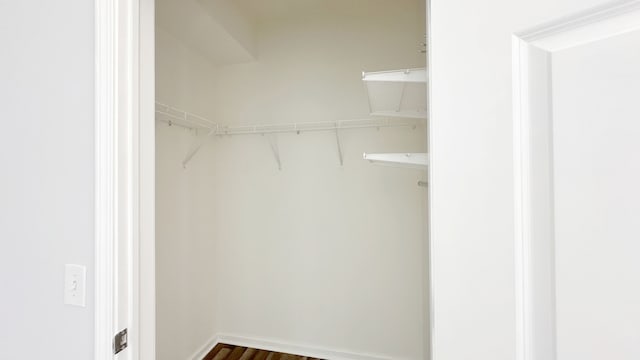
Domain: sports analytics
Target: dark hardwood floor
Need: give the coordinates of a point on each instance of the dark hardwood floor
(231, 352)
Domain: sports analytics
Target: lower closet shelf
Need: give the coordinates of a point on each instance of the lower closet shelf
(413, 160)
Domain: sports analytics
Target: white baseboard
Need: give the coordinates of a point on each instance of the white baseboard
(205, 349)
(281, 346)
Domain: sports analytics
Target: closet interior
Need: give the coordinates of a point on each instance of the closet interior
(291, 178)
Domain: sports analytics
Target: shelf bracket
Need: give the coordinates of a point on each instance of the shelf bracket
(273, 142)
(339, 144)
(196, 147)
(404, 88)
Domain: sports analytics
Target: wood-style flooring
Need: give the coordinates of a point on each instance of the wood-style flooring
(231, 352)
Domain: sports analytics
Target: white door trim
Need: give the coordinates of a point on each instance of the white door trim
(533, 160)
(105, 170)
(430, 323)
(124, 177)
(125, 104)
(144, 261)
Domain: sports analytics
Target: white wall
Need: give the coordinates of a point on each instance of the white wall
(185, 257)
(186, 302)
(46, 185)
(316, 254)
(472, 171)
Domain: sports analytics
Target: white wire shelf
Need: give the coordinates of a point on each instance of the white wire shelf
(417, 114)
(413, 160)
(417, 75)
(303, 127)
(397, 93)
(174, 116)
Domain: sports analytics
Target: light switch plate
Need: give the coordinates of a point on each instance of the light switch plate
(75, 277)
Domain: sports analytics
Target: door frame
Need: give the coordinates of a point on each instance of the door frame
(533, 163)
(125, 178)
(124, 181)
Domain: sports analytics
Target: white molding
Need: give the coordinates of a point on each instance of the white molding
(124, 178)
(290, 348)
(129, 94)
(430, 314)
(618, 10)
(205, 349)
(144, 262)
(532, 112)
(105, 178)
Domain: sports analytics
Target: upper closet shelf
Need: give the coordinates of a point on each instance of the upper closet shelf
(174, 116)
(397, 93)
(414, 160)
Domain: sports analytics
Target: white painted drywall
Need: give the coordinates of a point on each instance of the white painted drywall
(316, 254)
(213, 28)
(185, 256)
(472, 220)
(46, 185)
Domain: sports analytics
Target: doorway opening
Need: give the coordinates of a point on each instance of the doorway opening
(273, 230)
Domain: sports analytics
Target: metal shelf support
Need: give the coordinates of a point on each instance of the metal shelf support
(273, 143)
(196, 147)
(339, 143)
